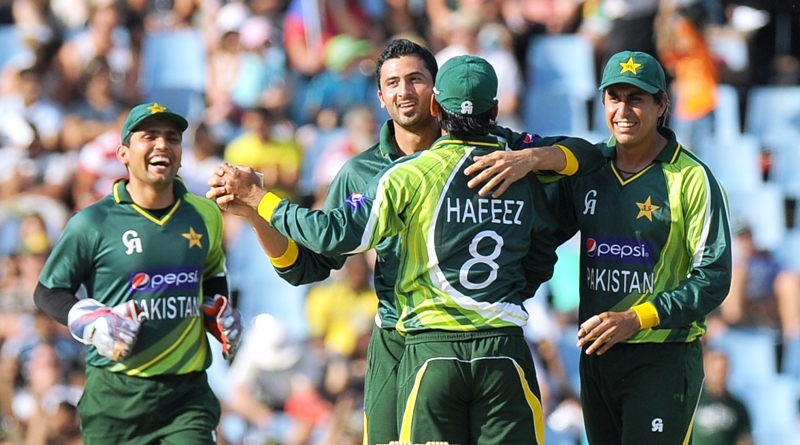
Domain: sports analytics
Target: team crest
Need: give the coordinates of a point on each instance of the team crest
(466, 107)
(646, 209)
(356, 200)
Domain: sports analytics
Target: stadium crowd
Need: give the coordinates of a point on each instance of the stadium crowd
(288, 87)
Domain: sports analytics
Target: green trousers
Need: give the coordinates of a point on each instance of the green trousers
(165, 410)
(469, 388)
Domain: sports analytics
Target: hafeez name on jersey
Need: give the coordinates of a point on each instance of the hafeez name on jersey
(497, 211)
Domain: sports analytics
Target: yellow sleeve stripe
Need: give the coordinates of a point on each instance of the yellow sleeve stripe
(572, 162)
(267, 205)
(647, 313)
(288, 258)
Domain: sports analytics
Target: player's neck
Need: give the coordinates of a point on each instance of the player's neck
(409, 142)
(150, 196)
(633, 158)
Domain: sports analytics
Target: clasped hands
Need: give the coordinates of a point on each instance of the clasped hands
(237, 190)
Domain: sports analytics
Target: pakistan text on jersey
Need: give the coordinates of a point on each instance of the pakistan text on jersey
(497, 211)
(616, 280)
(170, 308)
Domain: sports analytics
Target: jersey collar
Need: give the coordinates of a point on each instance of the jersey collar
(121, 195)
(482, 141)
(668, 155)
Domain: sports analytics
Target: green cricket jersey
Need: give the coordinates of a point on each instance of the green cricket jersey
(120, 252)
(309, 267)
(660, 236)
(464, 262)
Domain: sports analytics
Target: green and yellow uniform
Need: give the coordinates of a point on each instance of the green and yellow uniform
(657, 242)
(120, 252)
(301, 265)
(465, 265)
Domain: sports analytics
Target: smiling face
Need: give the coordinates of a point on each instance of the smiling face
(632, 114)
(406, 88)
(154, 153)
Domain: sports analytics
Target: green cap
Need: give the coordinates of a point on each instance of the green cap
(635, 68)
(142, 112)
(466, 85)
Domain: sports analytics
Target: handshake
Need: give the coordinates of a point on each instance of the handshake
(238, 190)
(113, 331)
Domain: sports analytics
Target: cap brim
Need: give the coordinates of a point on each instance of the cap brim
(631, 81)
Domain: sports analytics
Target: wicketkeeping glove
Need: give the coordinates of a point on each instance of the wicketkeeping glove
(112, 331)
(224, 322)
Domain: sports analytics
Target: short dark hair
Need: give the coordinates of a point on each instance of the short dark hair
(404, 47)
(462, 126)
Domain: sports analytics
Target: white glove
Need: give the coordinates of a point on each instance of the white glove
(112, 331)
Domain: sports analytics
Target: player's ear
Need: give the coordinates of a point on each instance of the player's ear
(122, 154)
(434, 107)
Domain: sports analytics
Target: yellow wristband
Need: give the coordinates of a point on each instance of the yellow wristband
(288, 258)
(267, 205)
(647, 313)
(572, 162)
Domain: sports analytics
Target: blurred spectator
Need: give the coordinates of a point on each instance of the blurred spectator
(619, 25)
(492, 41)
(200, 159)
(96, 109)
(340, 311)
(262, 75)
(98, 167)
(307, 27)
(721, 418)
(763, 292)
(314, 139)
(224, 61)
(359, 134)
(347, 80)
(30, 103)
(30, 168)
(41, 29)
(440, 14)
(154, 15)
(245, 69)
(268, 147)
(274, 383)
(103, 37)
(684, 53)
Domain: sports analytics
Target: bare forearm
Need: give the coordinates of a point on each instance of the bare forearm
(273, 243)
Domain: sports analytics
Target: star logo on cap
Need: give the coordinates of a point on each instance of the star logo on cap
(630, 65)
(156, 108)
(646, 209)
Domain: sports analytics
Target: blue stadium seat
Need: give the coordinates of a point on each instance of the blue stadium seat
(550, 112)
(773, 115)
(561, 64)
(173, 59)
(727, 115)
(561, 80)
(752, 357)
(735, 161)
(785, 163)
(764, 208)
(773, 408)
